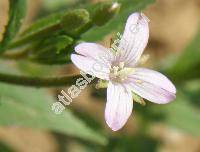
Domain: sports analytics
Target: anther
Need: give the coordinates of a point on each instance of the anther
(138, 81)
(121, 65)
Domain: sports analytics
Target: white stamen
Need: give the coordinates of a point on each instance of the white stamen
(121, 65)
(119, 73)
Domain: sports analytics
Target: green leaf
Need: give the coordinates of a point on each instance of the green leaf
(55, 50)
(67, 22)
(44, 23)
(182, 115)
(192, 90)
(186, 65)
(28, 107)
(72, 23)
(5, 148)
(40, 29)
(50, 5)
(17, 11)
(117, 24)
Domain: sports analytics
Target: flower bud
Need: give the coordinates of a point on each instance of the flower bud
(105, 12)
(74, 20)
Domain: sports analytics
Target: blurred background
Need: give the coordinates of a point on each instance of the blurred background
(27, 123)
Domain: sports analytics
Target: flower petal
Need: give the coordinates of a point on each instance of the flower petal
(118, 107)
(155, 78)
(151, 85)
(91, 66)
(134, 39)
(95, 51)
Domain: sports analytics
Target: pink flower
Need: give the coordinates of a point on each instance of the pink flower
(119, 70)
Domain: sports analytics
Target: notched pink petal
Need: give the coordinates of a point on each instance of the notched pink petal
(118, 107)
(94, 51)
(91, 66)
(155, 78)
(151, 85)
(134, 39)
(151, 92)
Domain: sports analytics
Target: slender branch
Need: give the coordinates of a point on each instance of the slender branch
(39, 81)
(15, 55)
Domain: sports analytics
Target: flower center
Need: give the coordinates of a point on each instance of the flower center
(120, 73)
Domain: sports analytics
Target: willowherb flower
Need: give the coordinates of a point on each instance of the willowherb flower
(118, 69)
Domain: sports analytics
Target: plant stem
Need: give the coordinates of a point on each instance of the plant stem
(14, 56)
(39, 81)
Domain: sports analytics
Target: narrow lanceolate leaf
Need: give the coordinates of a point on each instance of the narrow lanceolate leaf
(17, 11)
(181, 114)
(27, 107)
(187, 64)
(44, 23)
(117, 23)
(67, 22)
(54, 50)
(39, 29)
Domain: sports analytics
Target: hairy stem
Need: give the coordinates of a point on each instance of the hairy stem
(39, 81)
(16, 55)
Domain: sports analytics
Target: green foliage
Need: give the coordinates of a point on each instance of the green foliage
(57, 50)
(32, 108)
(52, 6)
(187, 63)
(104, 12)
(67, 22)
(5, 148)
(138, 143)
(184, 112)
(75, 20)
(44, 23)
(48, 27)
(117, 23)
(138, 99)
(192, 90)
(17, 10)
(51, 40)
(71, 24)
(182, 115)
(74, 24)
